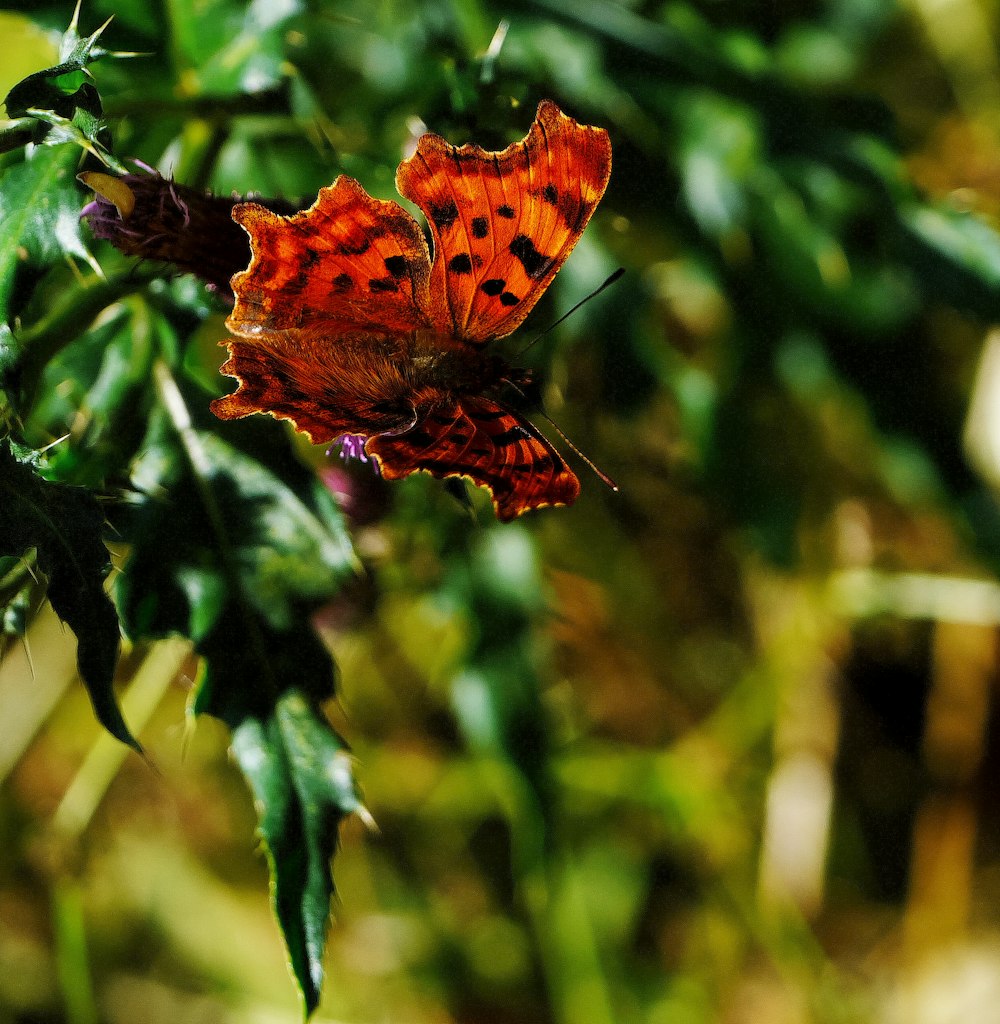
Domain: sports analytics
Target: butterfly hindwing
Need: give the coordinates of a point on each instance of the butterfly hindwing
(492, 446)
(503, 223)
(271, 382)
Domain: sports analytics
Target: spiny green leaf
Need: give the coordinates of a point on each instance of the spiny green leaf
(267, 684)
(61, 104)
(255, 544)
(39, 221)
(237, 531)
(301, 777)
(83, 130)
(62, 95)
(64, 525)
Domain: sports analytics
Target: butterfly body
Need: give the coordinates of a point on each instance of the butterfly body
(345, 326)
(451, 366)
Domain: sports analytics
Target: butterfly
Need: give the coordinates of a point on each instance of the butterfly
(346, 326)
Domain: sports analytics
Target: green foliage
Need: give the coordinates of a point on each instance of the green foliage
(301, 777)
(231, 542)
(567, 726)
(60, 529)
(60, 104)
(39, 222)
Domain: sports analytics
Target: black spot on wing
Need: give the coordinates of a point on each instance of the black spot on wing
(494, 286)
(354, 248)
(460, 264)
(418, 438)
(535, 264)
(480, 227)
(397, 265)
(505, 211)
(550, 194)
(383, 284)
(343, 283)
(443, 214)
(509, 299)
(509, 437)
(572, 210)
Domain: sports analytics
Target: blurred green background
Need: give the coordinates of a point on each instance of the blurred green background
(717, 748)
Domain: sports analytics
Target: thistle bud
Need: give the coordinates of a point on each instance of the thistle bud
(155, 218)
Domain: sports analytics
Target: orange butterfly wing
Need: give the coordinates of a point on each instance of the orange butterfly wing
(327, 387)
(503, 223)
(327, 312)
(348, 263)
(490, 445)
(322, 285)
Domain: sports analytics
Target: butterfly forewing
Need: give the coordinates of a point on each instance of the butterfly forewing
(503, 223)
(323, 311)
(348, 263)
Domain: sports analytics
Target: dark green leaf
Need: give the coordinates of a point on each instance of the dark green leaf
(241, 528)
(99, 389)
(255, 543)
(301, 777)
(64, 525)
(17, 585)
(63, 95)
(15, 612)
(10, 354)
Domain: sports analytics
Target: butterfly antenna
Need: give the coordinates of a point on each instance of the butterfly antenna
(599, 473)
(597, 291)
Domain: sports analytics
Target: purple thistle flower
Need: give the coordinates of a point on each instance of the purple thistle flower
(352, 446)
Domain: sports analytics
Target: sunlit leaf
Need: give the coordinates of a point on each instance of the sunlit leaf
(39, 221)
(233, 47)
(960, 253)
